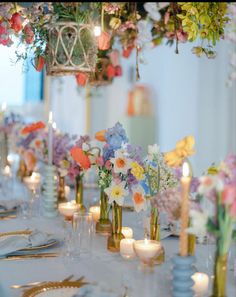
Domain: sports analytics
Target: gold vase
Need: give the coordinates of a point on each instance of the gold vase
(113, 242)
(79, 193)
(191, 244)
(103, 226)
(61, 195)
(3, 150)
(22, 170)
(155, 234)
(220, 275)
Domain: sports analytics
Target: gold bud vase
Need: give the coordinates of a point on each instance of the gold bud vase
(103, 226)
(22, 170)
(61, 196)
(79, 193)
(113, 242)
(156, 235)
(220, 275)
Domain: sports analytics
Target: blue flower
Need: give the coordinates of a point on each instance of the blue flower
(116, 136)
(144, 184)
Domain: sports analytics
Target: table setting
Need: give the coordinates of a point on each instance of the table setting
(95, 213)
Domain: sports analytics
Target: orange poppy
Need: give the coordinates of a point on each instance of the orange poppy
(33, 127)
(80, 157)
(100, 135)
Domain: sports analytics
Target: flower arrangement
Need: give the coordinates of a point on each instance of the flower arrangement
(136, 25)
(218, 190)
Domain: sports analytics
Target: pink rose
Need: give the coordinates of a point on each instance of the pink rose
(229, 194)
(100, 161)
(108, 165)
(182, 36)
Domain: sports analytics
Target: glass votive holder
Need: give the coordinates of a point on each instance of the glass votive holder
(127, 248)
(201, 284)
(67, 209)
(147, 250)
(127, 232)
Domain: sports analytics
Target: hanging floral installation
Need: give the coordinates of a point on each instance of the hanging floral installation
(69, 37)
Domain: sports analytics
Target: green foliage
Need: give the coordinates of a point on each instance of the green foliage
(203, 20)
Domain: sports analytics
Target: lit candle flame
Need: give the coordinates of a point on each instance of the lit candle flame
(186, 169)
(54, 125)
(50, 118)
(4, 106)
(97, 31)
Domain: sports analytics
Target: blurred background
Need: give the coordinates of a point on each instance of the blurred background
(177, 95)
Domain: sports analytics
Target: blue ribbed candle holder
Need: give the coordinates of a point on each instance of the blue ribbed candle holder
(182, 272)
(50, 194)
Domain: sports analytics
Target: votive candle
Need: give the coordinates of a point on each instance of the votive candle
(127, 232)
(95, 210)
(127, 248)
(201, 283)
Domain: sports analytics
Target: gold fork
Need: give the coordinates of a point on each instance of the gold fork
(39, 283)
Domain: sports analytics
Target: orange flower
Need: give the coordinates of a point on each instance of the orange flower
(33, 127)
(100, 135)
(30, 160)
(80, 157)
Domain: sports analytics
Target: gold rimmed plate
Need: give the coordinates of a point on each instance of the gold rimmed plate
(26, 233)
(6, 212)
(55, 289)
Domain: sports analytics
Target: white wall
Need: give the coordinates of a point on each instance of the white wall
(190, 97)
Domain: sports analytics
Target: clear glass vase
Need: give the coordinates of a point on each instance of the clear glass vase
(79, 193)
(103, 226)
(113, 243)
(155, 234)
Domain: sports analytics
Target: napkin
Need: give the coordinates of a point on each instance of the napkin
(15, 243)
(94, 291)
(9, 204)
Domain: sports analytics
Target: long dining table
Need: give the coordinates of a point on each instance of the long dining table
(101, 266)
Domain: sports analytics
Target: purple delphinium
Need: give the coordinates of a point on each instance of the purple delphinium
(61, 145)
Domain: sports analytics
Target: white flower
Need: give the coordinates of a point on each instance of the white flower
(139, 198)
(144, 33)
(198, 224)
(208, 183)
(153, 149)
(163, 4)
(120, 162)
(85, 147)
(103, 175)
(153, 11)
(117, 193)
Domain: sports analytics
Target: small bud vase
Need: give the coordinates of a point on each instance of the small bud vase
(155, 234)
(191, 244)
(113, 243)
(61, 197)
(79, 193)
(103, 226)
(182, 272)
(220, 275)
(22, 170)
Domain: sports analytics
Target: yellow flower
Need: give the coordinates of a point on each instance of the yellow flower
(184, 149)
(213, 170)
(137, 170)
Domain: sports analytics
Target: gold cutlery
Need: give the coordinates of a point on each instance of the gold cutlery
(8, 217)
(39, 283)
(29, 256)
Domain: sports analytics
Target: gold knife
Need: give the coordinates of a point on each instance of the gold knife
(29, 256)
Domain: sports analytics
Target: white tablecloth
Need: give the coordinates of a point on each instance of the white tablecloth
(101, 266)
